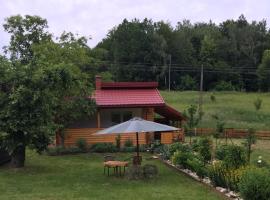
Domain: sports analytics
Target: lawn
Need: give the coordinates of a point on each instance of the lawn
(81, 177)
(235, 108)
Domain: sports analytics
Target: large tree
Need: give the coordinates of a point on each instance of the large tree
(42, 90)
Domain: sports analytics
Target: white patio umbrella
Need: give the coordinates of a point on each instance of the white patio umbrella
(136, 125)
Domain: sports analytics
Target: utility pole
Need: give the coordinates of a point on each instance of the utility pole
(170, 64)
(201, 93)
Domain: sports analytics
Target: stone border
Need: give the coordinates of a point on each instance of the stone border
(230, 195)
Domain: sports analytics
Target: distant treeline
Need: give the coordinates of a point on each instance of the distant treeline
(234, 54)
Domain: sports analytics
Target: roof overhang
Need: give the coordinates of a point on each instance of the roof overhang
(169, 113)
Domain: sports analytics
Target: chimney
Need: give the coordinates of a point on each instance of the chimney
(98, 82)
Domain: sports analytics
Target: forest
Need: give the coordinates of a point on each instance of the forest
(234, 54)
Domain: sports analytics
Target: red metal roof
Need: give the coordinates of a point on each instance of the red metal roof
(128, 98)
(118, 85)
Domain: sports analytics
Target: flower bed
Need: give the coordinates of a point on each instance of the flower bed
(227, 169)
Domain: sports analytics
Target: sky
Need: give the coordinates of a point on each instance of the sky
(94, 18)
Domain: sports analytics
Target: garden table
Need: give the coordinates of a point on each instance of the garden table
(116, 165)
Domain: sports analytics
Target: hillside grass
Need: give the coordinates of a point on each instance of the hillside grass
(235, 108)
(81, 177)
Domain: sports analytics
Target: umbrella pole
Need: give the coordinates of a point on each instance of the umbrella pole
(137, 138)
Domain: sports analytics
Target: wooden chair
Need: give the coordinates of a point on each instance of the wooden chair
(106, 159)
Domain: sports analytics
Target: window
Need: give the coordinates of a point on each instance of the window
(116, 118)
(127, 115)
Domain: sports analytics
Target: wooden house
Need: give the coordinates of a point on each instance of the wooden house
(120, 101)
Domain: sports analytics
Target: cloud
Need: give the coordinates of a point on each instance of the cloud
(96, 17)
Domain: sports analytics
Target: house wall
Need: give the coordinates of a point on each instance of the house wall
(87, 127)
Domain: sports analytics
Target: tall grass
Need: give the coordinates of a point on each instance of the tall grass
(235, 108)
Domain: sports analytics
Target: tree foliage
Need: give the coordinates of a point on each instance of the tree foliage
(44, 86)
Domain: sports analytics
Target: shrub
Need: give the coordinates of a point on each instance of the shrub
(197, 166)
(187, 83)
(134, 172)
(261, 163)
(128, 149)
(181, 158)
(205, 147)
(255, 184)
(195, 145)
(150, 171)
(165, 152)
(221, 176)
(235, 157)
(221, 152)
(213, 98)
(257, 104)
(103, 147)
(82, 144)
(128, 143)
(59, 150)
(224, 86)
(179, 147)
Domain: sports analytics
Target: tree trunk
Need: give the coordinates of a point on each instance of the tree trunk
(18, 157)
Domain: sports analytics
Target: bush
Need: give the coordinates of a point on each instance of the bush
(59, 150)
(261, 163)
(103, 148)
(221, 152)
(224, 86)
(235, 157)
(150, 171)
(181, 158)
(255, 184)
(128, 143)
(195, 145)
(224, 177)
(257, 104)
(179, 147)
(187, 83)
(128, 149)
(196, 165)
(213, 98)
(164, 151)
(205, 147)
(134, 172)
(82, 144)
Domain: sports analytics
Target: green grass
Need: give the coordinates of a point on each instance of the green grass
(81, 177)
(235, 108)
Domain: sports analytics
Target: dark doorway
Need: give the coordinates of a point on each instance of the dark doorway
(157, 136)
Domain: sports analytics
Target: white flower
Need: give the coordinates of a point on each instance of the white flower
(260, 157)
(259, 161)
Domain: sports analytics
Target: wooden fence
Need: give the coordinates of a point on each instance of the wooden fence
(233, 133)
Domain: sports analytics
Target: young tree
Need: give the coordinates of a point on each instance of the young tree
(250, 140)
(193, 119)
(219, 128)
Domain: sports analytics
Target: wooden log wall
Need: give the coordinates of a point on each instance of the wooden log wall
(73, 135)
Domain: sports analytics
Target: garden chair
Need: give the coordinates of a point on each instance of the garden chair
(106, 159)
